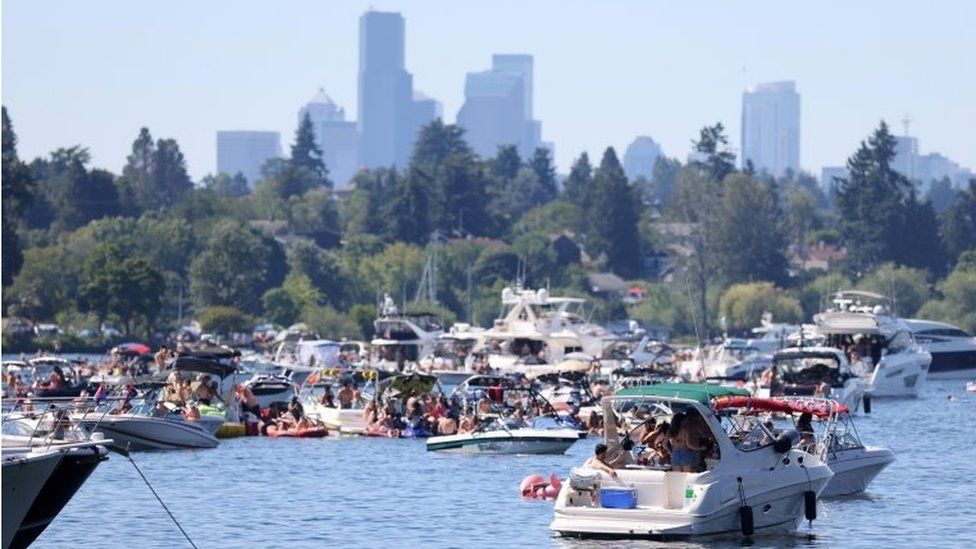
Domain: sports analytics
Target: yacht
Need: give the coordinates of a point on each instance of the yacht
(882, 347)
(809, 371)
(733, 359)
(402, 338)
(953, 350)
(754, 482)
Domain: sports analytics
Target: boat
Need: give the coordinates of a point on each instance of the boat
(755, 482)
(45, 461)
(271, 388)
(953, 350)
(837, 443)
(452, 359)
(142, 428)
(734, 359)
(503, 431)
(887, 356)
(345, 420)
(812, 371)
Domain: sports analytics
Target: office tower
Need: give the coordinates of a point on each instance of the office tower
(771, 127)
(497, 107)
(246, 152)
(338, 138)
(388, 115)
(640, 156)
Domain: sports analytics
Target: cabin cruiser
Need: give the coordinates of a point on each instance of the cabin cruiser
(752, 481)
(812, 371)
(270, 388)
(771, 336)
(504, 425)
(452, 359)
(953, 350)
(836, 441)
(401, 338)
(881, 346)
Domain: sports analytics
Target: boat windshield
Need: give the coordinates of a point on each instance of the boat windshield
(750, 433)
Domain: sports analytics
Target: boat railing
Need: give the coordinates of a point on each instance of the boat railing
(51, 417)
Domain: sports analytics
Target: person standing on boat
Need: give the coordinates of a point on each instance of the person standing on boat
(683, 449)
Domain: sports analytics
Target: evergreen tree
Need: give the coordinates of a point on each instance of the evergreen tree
(712, 144)
(137, 175)
(750, 241)
(916, 237)
(579, 181)
(170, 181)
(506, 164)
(18, 187)
(614, 213)
(438, 141)
(408, 211)
(306, 154)
(959, 224)
(870, 201)
(663, 178)
(545, 171)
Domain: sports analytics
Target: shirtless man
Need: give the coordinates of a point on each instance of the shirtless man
(446, 425)
(345, 396)
(598, 461)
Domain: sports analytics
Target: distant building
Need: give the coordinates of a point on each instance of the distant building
(245, 152)
(338, 138)
(771, 127)
(497, 107)
(829, 173)
(424, 110)
(924, 169)
(388, 115)
(640, 156)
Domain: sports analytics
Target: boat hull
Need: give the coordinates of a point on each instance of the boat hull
(953, 364)
(150, 433)
(23, 480)
(70, 474)
(855, 469)
(505, 442)
(900, 376)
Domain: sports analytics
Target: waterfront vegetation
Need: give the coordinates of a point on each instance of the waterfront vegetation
(705, 243)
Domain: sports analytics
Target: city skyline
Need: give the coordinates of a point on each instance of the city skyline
(590, 94)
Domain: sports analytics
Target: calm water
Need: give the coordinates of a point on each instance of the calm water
(359, 492)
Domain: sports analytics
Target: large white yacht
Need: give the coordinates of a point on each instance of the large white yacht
(881, 346)
(953, 350)
(402, 338)
(537, 331)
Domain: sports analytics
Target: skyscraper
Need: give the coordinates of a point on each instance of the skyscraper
(640, 156)
(497, 107)
(245, 152)
(338, 138)
(771, 127)
(388, 116)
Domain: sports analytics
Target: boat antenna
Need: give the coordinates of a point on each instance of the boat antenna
(694, 322)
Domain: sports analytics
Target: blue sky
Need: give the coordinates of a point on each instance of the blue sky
(92, 73)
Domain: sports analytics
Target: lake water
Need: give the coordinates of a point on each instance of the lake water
(368, 492)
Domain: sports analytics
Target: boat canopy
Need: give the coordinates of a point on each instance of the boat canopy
(701, 392)
(820, 407)
(202, 365)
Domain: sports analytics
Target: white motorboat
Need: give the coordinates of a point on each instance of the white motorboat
(319, 398)
(142, 432)
(733, 359)
(813, 371)
(452, 360)
(836, 441)
(25, 472)
(504, 423)
(887, 355)
(402, 338)
(753, 483)
(953, 350)
(271, 388)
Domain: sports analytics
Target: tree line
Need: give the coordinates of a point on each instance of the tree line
(147, 249)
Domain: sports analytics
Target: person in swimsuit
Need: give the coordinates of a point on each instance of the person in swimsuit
(683, 457)
(598, 461)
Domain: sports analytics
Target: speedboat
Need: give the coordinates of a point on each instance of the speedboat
(271, 388)
(345, 420)
(837, 442)
(953, 350)
(887, 355)
(753, 482)
(42, 469)
(813, 371)
(504, 429)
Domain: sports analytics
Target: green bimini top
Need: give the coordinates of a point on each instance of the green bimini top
(702, 392)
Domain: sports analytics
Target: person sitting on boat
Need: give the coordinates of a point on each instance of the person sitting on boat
(484, 404)
(439, 407)
(468, 421)
(203, 392)
(192, 413)
(357, 396)
(593, 424)
(804, 426)
(327, 399)
(447, 424)
(598, 461)
(297, 411)
(345, 395)
(683, 449)
(822, 389)
(160, 409)
(371, 412)
(55, 381)
(656, 447)
(161, 357)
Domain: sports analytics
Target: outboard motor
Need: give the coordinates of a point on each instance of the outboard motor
(786, 440)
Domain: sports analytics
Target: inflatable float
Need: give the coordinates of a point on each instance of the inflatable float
(537, 487)
(308, 432)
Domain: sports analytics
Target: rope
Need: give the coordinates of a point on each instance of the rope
(153, 490)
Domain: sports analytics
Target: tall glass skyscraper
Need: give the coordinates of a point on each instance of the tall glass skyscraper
(771, 127)
(388, 118)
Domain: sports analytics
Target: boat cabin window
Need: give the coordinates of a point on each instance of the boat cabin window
(943, 332)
